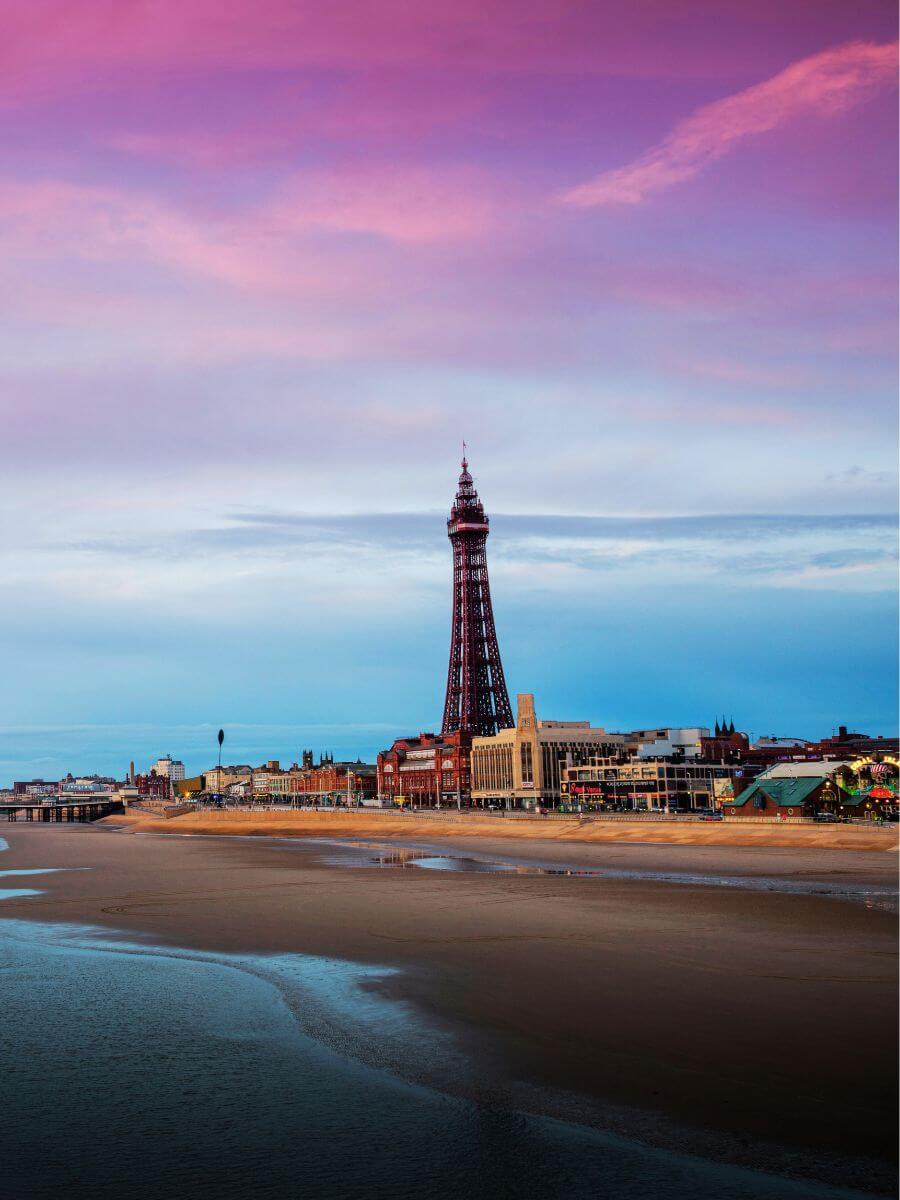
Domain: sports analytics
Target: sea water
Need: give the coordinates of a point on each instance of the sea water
(134, 1070)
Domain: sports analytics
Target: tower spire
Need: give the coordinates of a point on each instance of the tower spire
(477, 701)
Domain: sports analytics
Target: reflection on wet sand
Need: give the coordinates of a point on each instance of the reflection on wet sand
(423, 859)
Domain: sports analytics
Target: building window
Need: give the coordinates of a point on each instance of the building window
(527, 764)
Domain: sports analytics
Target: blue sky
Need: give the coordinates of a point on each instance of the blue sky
(331, 631)
(267, 265)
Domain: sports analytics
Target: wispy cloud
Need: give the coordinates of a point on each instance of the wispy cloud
(858, 476)
(50, 218)
(822, 85)
(772, 549)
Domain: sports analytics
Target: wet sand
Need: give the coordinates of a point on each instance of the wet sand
(753, 1026)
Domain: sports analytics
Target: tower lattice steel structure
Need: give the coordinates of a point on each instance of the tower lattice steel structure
(477, 700)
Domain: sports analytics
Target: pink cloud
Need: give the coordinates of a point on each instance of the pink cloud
(822, 85)
(408, 204)
(275, 245)
(57, 220)
(332, 266)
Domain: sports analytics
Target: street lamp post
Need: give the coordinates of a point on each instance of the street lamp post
(219, 769)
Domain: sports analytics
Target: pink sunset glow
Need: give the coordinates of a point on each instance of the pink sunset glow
(268, 262)
(823, 85)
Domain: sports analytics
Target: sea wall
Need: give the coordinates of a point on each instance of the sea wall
(330, 823)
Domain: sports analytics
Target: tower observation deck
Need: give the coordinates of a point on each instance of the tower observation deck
(477, 700)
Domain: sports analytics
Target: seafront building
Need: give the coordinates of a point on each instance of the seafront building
(35, 787)
(263, 780)
(522, 767)
(686, 742)
(668, 785)
(152, 786)
(329, 782)
(220, 779)
(774, 742)
(171, 767)
(570, 764)
(426, 771)
(784, 798)
(864, 788)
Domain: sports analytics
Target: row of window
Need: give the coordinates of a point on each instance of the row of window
(492, 766)
(492, 769)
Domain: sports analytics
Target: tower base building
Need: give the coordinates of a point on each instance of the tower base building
(523, 767)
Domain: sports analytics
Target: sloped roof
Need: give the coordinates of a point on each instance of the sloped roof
(849, 800)
(821, 769)
(786, 793)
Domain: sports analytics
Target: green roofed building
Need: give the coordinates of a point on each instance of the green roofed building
(861, 790)
(784, 797)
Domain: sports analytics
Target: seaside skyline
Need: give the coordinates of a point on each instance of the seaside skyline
(262, 282)
(449, 619)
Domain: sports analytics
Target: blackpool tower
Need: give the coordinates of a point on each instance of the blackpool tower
(477, 700)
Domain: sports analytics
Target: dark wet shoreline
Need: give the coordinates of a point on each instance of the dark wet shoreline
(549, 983)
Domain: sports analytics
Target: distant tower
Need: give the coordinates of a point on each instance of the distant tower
(477, 700)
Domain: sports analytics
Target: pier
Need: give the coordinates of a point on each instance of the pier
(82, 810)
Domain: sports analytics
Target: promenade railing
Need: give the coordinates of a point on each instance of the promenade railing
(468, 815)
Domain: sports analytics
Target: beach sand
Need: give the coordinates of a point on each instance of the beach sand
(359, 823)
(755, 1026)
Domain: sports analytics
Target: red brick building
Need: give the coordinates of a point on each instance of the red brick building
(855, 745)
(724, 747)
(428, 771)
(357, 778)
(335, 780)
(157, 787)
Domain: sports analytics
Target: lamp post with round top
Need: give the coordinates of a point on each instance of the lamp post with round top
(221, 739)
